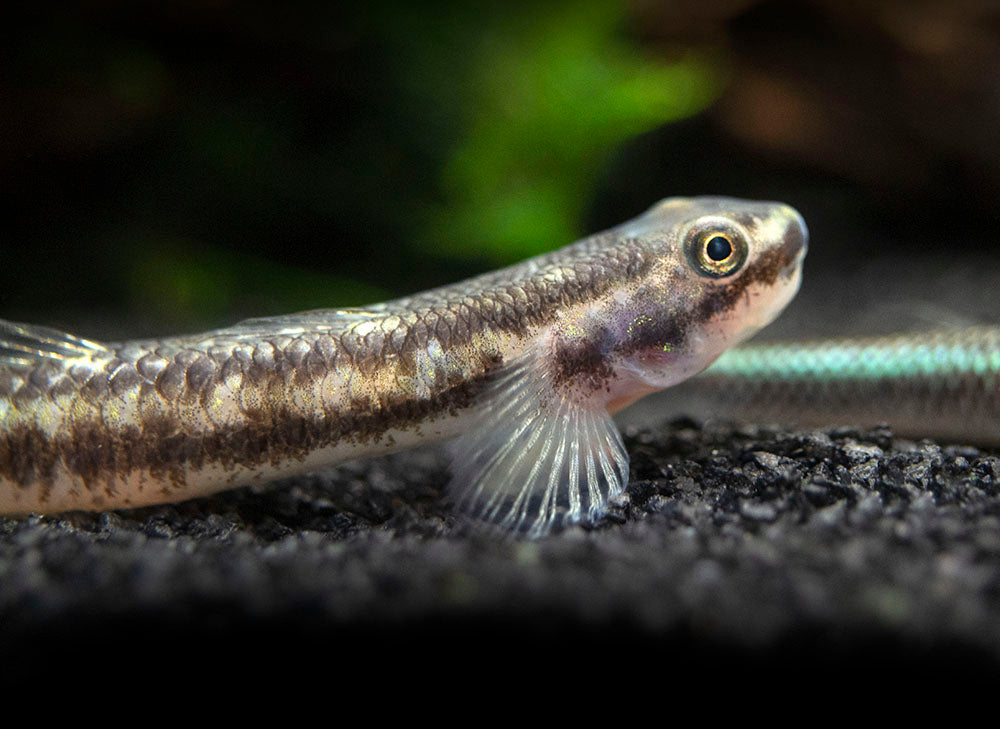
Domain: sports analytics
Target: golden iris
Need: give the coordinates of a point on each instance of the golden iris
(716, 250)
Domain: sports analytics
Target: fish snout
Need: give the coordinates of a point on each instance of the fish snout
(796, 237)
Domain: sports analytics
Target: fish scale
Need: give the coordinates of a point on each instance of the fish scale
(939, 383)
(518, 368)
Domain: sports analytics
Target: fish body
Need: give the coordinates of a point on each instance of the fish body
(938, 383)
(520, 368)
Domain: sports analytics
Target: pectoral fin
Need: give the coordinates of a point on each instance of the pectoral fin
(536, 458)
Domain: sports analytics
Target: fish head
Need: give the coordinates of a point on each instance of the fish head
(721, 269)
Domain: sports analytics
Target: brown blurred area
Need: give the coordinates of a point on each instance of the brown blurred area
(899, 95)
(879, 121)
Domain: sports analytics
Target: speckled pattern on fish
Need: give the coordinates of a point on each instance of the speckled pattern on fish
(522, 365)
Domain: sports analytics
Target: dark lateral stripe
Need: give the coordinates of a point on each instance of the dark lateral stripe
(161, 447)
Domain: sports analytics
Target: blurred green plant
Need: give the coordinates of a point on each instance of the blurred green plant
(214, 169)
(544, 93)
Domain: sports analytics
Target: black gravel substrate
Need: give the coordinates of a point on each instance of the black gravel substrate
(807, 554)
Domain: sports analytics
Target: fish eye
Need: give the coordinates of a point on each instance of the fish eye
(716, 249)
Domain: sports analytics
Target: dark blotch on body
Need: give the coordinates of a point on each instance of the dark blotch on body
(26, 455)
(657, 332)
(583, 362)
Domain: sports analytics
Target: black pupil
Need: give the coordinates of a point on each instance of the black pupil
(719, 249)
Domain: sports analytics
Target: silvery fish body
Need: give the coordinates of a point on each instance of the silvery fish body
(940, 383)
(519, 368)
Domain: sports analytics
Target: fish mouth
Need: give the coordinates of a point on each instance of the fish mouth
(796, 237)
(789, 256)
(790, 282)
(795, 265)
(792, 247)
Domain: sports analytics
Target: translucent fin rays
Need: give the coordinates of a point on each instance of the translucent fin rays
(534, 459)
(318, 319)
(24, 344)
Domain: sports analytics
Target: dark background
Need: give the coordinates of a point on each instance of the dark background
(167, 169)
